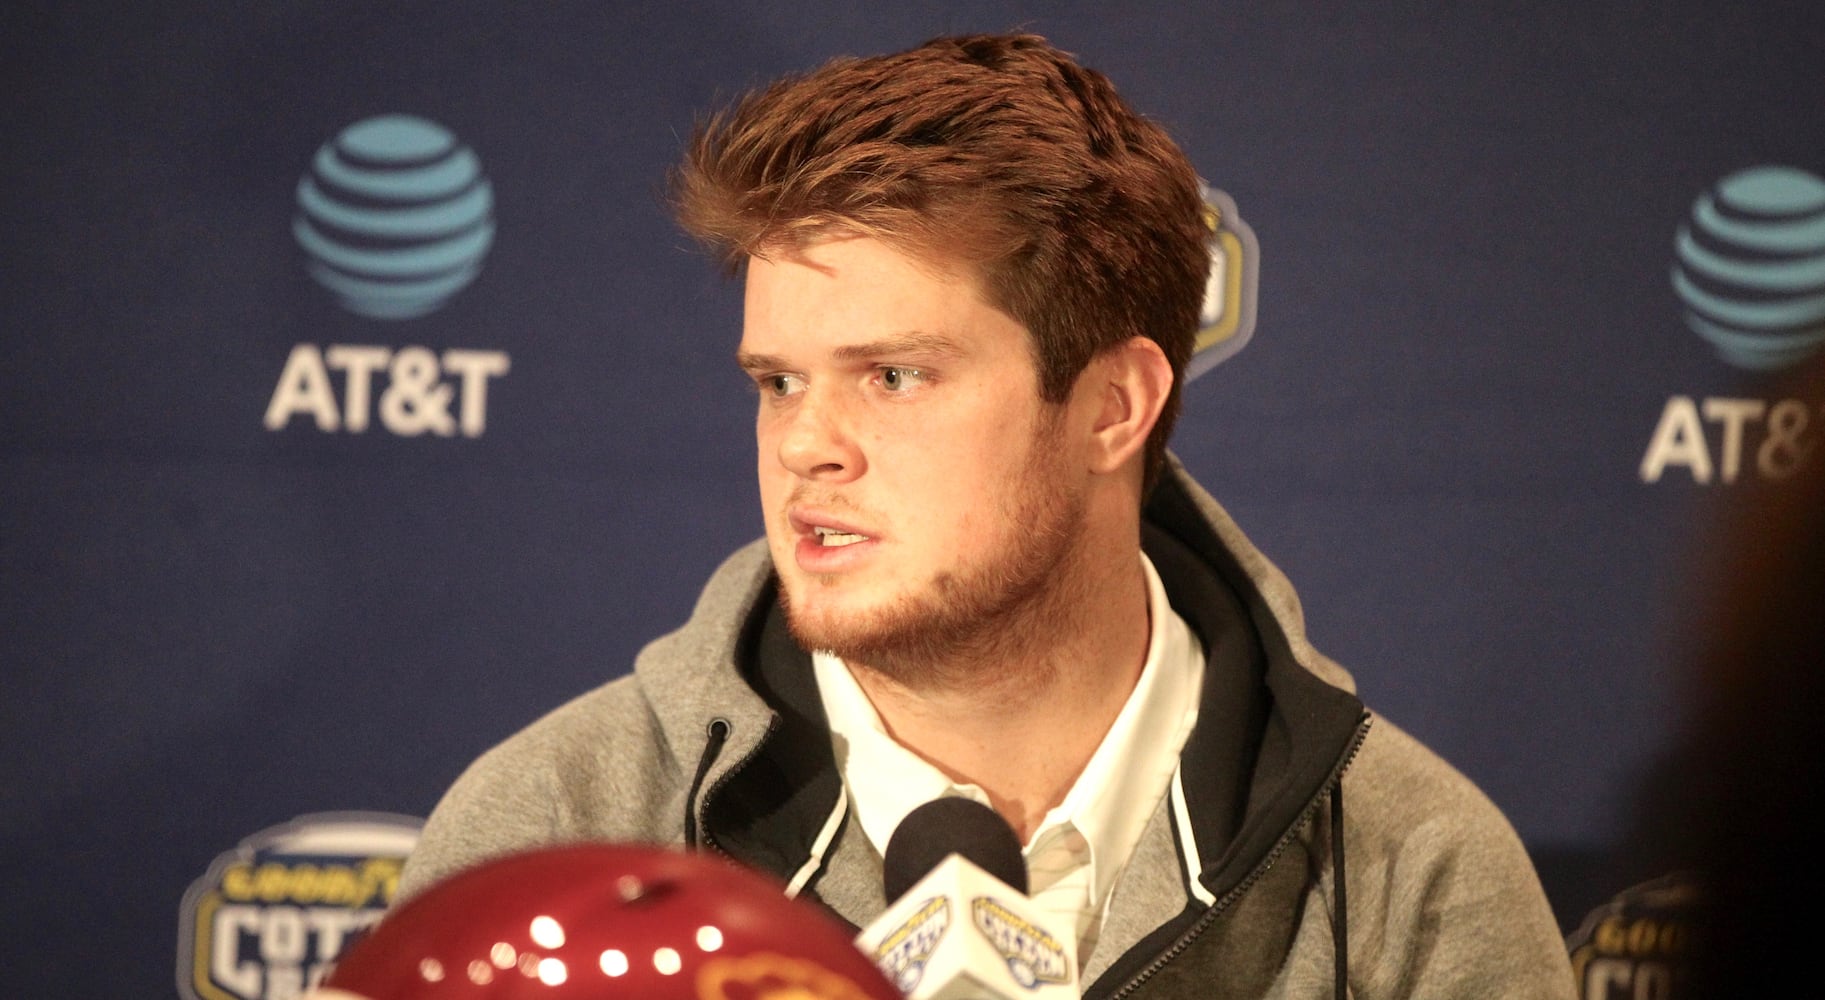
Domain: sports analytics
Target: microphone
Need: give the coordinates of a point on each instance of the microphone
(959, 925)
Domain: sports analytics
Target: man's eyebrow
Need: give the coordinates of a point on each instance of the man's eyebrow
(754, 364)
(916, 343)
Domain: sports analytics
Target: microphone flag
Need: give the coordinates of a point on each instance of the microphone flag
(960, 933)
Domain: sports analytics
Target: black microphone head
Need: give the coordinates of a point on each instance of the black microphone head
(947, 826)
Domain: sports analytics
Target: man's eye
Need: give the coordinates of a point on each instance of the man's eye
(897, 379)
(781, 386)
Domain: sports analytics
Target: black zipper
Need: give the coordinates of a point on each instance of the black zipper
(1216, 909)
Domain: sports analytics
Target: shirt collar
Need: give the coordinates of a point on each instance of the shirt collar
(1111, 800)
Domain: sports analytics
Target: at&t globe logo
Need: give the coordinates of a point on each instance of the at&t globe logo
(395, 216)
(1750, 267)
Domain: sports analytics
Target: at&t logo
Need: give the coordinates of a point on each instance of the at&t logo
(1771, 438)
(395, 216)
(1749, 267)
(415, 398)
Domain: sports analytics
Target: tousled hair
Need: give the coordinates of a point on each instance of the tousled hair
(1080, 218)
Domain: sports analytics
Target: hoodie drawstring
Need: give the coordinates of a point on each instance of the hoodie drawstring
(718, 734)
(1340, 916)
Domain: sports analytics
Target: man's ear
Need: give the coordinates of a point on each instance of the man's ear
(1131, 382)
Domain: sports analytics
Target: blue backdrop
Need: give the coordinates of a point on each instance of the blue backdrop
(264, 554)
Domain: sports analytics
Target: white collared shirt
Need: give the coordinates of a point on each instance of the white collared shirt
(1082, 844)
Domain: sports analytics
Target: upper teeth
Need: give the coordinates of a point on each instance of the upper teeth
(831, 536)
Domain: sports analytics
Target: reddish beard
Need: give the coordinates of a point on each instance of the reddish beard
(968, 619)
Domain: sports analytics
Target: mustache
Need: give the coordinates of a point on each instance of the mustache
(808, 495)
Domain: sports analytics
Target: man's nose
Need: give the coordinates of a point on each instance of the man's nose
(818, 441)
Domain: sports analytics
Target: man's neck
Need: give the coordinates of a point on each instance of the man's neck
(1025, 716)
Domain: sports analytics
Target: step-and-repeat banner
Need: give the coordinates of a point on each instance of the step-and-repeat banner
(306, 500)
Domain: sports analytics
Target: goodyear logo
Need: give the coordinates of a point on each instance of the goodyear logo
(1228, 318)
(902, 954)
(271, 916)
(1640, 943)
(1033, 955)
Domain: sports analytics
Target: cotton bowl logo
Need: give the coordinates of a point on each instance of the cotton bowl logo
(1228, 317)
(395, 216)
(902, 954)
(1033, 955)
(1641, 942)
(272, 915)
(1750, 267)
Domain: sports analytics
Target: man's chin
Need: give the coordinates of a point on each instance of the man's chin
(821, 624)
(821, 616)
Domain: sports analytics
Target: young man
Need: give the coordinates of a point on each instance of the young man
(973, 277)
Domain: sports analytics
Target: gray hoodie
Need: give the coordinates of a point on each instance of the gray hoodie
(717, 741)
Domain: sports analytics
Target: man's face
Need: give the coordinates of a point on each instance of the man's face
(919, 496)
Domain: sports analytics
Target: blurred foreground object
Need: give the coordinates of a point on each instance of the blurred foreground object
(1730, 814)
(588, 921)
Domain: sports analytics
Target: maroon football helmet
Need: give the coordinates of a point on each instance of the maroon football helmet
(605, 921)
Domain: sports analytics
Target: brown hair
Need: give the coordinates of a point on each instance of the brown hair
(1082, 219)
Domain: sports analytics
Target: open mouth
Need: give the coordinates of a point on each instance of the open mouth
(831, 538)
